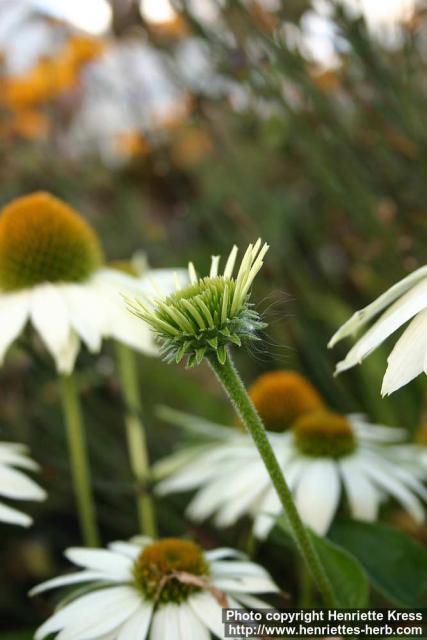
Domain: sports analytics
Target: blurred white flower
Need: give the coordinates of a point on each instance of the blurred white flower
(168, 588)
(14, 484)
(323, 456)
(404, 301)
(51, 275)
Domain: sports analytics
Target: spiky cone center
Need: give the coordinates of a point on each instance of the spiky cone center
(157, 569)
(281, 397)
(324, 434)
(209, 314)
(42, 239)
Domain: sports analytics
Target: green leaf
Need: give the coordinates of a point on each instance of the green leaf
(348, 579)
(395, 564)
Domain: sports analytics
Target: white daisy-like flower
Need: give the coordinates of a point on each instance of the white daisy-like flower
(324, 457)
(163, 589)
(16, 485)
(405, 301)
(51, 276)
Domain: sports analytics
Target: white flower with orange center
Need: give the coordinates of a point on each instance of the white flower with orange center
(406, 301)
(324, 456)
(52, 275)
(15, 484)
(163, 589)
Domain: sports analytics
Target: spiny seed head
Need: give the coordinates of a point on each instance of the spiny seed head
(209, 314)
(281, 397)
(42, 239)
(324, 434)
(155, 567)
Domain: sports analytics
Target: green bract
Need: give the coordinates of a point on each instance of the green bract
(210, 313)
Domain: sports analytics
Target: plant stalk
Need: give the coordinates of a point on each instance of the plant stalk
(80, 469)
(136, 439)
(230, 380)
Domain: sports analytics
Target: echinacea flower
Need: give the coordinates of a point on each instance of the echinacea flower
(52, 275)
(405, 301)
(323, 456)
(15, 484)
(208, 315)
(163, 589)
(280, 397)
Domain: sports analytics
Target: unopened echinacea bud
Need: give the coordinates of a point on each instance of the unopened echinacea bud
(209, 314)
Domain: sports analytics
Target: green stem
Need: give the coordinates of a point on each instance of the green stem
(136, 440)
(79, 460)
(230, 380)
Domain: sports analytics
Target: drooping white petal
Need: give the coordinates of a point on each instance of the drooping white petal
(246, 584)
(128, 549)
(14, 311)
(136, 628)
(394, 487)
(108, 562)
(266, 514)
(94, 614)
(317, 494)
(50, 317)
(14, 484)
(16, 459)
(190, 625)
(243, 490)
(408, 357)
(66, 358)
(13, 516)
(223, 552)
(86, 314)
(120, 324)
(363, 316)
(207, 609)
(400, 312)
(166, 623)
(69, 578)
(363, 496)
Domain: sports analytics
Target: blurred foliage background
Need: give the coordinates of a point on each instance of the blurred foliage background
(327, 161)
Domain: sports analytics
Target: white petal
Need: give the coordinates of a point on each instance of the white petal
(108, 562)
(14, 484)
(243, 491)
(69, 578)
(92, 615)
(207, 609)
(191, 626)
(16, 459)
(128, 549)
(12, 516)
(166, 623)
(400, 312)
(408, 357)
(86, 314)
(269, 509)
(362, 495)
(136, 628)
(318, 493)
(223, 552)
(362, 316)
(14, 310)
(384, 478)
(246, 584)
(120, 323)
(49, 315)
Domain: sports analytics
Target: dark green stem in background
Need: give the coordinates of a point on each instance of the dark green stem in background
(79, 460)
(136, 440)
(230, 380)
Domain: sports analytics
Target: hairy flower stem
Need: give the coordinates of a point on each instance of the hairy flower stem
(230, 380)
(136, 440)
(79, 461)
